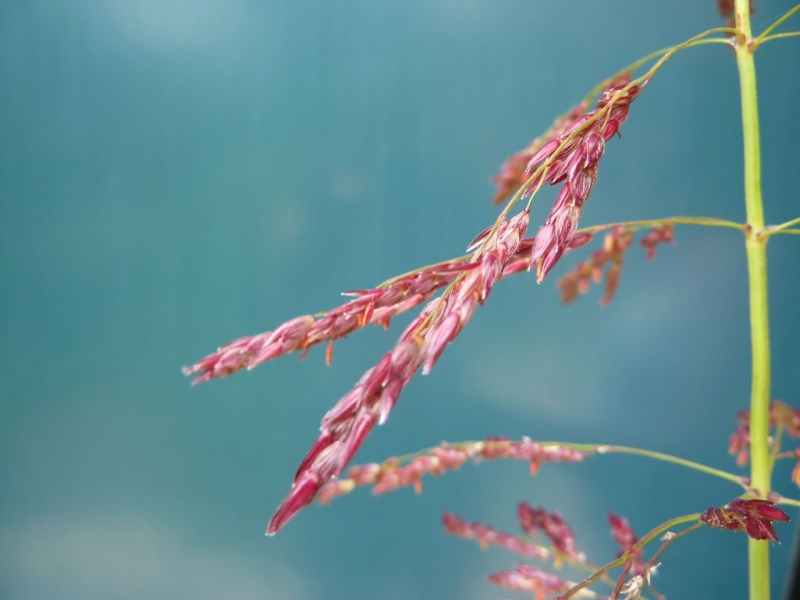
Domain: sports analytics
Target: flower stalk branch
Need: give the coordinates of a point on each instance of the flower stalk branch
(642, 224)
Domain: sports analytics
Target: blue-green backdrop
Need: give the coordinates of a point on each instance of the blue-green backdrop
(175, 174)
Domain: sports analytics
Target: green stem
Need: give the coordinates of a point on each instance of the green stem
(756, 246)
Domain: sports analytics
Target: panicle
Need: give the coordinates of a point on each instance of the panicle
(487, 536)
(377, 305)
(754, 517)
(607, 261)
(394, 473)
(554, 526)
(345, 427)
(572, 161)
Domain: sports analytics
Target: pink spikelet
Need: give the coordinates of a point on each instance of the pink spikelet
(345, 427)
(554, 526)
(487, 536)
(572, 160)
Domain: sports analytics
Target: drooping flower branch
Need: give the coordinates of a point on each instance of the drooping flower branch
(375, 306)
(572, 142)
(407, 471)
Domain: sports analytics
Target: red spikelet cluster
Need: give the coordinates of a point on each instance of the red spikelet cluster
(572, 160)
(393, 474)
(345, 427)
(754, 517)
(553, 525)
(608, 261)
(487, 536)
(514, 172)
(625, 537)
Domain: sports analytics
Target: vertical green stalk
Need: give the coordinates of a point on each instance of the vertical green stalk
(756, 246)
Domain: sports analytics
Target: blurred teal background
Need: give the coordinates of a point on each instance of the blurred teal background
(175, 174)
